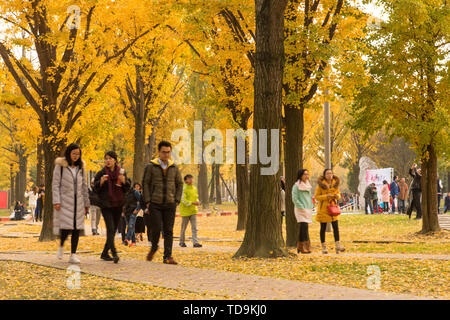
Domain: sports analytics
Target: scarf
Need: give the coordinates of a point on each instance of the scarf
(115, 192)
(303, 186)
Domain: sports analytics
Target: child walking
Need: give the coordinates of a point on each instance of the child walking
(188, 210)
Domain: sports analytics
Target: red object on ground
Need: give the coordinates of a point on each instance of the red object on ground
(4, 219)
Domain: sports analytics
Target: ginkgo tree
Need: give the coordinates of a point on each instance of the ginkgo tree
(77, 49)
(322, 39)
(408, 92)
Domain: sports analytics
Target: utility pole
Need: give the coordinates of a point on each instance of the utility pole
(326, 112)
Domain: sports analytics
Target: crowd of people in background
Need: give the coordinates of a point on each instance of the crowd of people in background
(152, 204)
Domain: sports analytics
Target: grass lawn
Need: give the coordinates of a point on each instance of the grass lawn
(4, 213)
(418, 277)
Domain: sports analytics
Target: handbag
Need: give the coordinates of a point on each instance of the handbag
(333, 209)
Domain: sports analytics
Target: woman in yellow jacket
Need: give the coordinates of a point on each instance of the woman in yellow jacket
(327, 191)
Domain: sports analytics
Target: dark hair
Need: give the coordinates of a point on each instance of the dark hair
(395, 177)
(300, 173)
(137, 184)
(385, 182)
(187, 176)
(325, 171)
(69, 149)
(112, 154)
(283, 186)
(164, 144)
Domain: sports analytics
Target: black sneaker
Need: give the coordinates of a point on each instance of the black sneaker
(197, 245)
(183, 245)
(106, 257)
(115, 258)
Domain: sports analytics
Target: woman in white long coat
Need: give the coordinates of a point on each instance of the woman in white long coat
(32, 196)
(70, 199)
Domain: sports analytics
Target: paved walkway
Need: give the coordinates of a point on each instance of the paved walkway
(444, 221)
(218, 283)
(317, 252)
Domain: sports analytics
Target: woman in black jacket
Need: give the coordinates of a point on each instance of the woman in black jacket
(111, 184)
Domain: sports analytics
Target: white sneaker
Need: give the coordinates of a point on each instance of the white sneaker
(74, 259)
(60, 253)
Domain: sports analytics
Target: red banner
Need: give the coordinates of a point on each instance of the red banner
(3, 199)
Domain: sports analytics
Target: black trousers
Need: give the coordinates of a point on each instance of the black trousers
(323, 228)
(147, 225)
(303, 235)
(415, 203)
(112, 218)
(74, 240)
(162, 217)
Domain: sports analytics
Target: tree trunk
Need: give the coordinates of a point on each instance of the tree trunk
(12, 195)
(23, 164)
(294, 162)
(212, 183)
(139, 145)
(51, 150)
(203, 185)
(47, 224)
(263, 236)
(242, 185)
(242, 188)
(217, 184)
(150, 146)
(39, 165)
(20, 179)
(430, 222)
(242, 194)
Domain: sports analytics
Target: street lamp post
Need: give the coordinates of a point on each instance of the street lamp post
(326, 112)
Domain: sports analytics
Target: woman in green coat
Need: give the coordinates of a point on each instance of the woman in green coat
(301, 197)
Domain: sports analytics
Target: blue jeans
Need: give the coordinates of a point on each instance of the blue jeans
(131, 235)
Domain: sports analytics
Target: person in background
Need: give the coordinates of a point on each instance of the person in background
(283, 198)
(189, 210)
(32, 196)
(402, 195)
(416, 189)
(368, 195)
(19, 211)
(394, 193)
(375, 199)
(447, 203)
(327, 192)
(40, 203)
(301, 197)
(111, 184)
(385, 196)
(70, 199)
(439, 193)
(139, 228)
(132, 208)
(94, 209)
